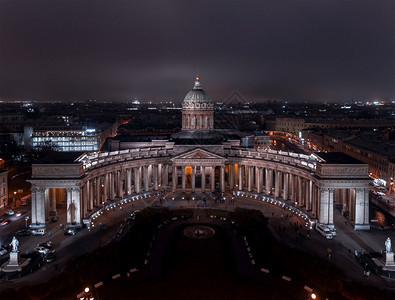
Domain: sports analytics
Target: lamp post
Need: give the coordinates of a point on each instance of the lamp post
(26, 219)
(14, 199)
(85, 295)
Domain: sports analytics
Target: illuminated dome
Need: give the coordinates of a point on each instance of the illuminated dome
(197, 94)
(197, 109)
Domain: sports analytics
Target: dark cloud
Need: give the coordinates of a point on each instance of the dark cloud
(293, 50)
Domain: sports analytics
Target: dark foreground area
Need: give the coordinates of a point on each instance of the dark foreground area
(155, 260)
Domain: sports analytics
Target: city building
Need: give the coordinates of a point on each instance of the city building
(199, 160)
(367, 146)
(3, 188)
(66, 138)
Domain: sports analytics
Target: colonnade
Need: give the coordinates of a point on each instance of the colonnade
(302, 188)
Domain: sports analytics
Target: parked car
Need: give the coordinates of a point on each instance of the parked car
(3, 251)
(47, 244)
(5, 222)
(333, 231)
(18, 214)
(23, 232)
(39, 231)
(9, 212)
(41, 250)
(324, 231)
(70, 231)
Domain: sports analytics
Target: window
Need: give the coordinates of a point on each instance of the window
(197, 121)
(192, 121)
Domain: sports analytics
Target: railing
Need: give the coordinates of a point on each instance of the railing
(92, 160)
(300, 160)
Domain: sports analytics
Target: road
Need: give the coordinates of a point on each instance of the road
(67, 247)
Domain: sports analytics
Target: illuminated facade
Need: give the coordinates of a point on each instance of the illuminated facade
(66, 139)
(3, 189)
(200, 161)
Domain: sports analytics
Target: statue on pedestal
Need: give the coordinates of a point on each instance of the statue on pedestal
(388, 245)
(14, 243)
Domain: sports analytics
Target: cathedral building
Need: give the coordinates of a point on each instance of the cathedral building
(199, 160)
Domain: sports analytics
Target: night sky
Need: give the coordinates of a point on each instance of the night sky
(150, 50)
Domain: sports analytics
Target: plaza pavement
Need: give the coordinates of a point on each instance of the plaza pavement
(342, 246)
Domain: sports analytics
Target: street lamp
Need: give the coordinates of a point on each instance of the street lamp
(85, 295)
(26, 219)
(14, 198)
(313, 296)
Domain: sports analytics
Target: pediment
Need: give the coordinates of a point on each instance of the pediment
(198, 154)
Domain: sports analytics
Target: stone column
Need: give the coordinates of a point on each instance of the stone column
(269, 181)
(120, 184)
(213, 178)
(223, 179)
(160, 174)
(76, 198)
(249, 172)
(91, 192)
(258, 179)
(330, 212)
(277, 184)
(39, 216)
(232, 176)
(155, 177)
(314, 206)
(166, 176)
(106, 187)
(203, 179)
(137, 180)
(193, 178)
(300, 191)
(326, 207)
(129, 181)
(145, 174)
(70, 207)
(112, 190)
(98, 191)
(174, 178)
(34, 191)
(309, 195)
(324, 203)
(285, 194)
(240, 171)
(292, 184)
(362, 209)
(183, 179)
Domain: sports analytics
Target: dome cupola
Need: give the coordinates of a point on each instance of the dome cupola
(197, 109)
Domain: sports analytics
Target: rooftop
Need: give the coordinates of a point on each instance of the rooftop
(338, 158)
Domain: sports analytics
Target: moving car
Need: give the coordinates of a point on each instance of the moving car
(9, 212)
(47, 244)
(23, 232)
(3, 251)
(5, 222)
(18, 214)
(41, 250)
(70, 231)
(324, 231)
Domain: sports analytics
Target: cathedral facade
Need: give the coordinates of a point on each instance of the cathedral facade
(200, 160)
